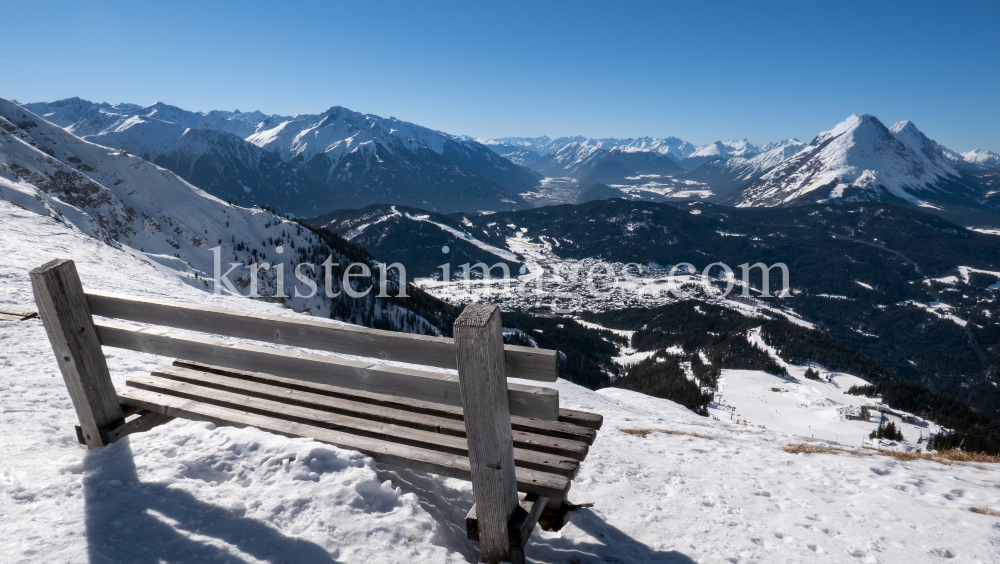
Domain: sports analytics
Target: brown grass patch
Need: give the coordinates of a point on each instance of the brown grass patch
(957, 455)
(946, 457)
(806, 449)
(645, 433)
(699, 435)
(690, 423)
(985, 511)
(637, 432)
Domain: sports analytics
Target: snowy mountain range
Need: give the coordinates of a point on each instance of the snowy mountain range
(530, 149)
(862, 160)
(727, 176)
(981, 157)
(310, 164)
(154, 215)
(303, 164)
(595, 161)
(859, 159)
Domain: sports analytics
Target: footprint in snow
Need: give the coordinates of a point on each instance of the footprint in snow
(942, 552)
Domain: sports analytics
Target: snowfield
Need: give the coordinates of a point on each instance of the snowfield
(701, 491)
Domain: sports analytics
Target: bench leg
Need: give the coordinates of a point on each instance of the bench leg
(65, 314)
(483, 384)
(519, 527)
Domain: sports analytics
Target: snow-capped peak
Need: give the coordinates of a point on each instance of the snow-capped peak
(858, 159)
(727, 149)
(907, 133)
(982, 157)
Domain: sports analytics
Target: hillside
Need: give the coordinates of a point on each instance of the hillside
(188, 490)
(903, 286)
(150, 213)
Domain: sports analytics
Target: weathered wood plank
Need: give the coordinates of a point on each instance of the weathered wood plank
(69, 326)
(345, 404)
(481, 372)
(523, 362)
(425, 460)
(582, 418)
(12, 314)
(133, 423)
(555, 429)
(366, 427)
(422, 385)
(520, 525)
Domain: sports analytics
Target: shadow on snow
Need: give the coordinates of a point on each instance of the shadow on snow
(132, 521)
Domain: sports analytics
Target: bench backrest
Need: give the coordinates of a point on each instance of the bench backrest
(521, 362)
(357, 373)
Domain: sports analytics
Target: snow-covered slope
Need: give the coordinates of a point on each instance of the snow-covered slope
(727, 176)
(370, 159)
(675, 488)
(150, 213)
(516, 154)
(126, 201)
(720, 150)
(84, 119)
(207, 150)
(862, 160)
(305, 164)
(672, 147)
(982, 157)
(569, 159)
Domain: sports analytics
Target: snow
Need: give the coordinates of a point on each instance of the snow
(669, 146)
(859, 153)
(984, 230)
(982, 157)
(705, 490)
(502, 253)
(338, 132)
(665, 187)
(187, 491)
(966, 270)
(938, 309)
(727, 149)
(772, 154)
(361, 228)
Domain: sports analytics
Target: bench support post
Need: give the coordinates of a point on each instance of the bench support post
(483, 384)
(70, 328)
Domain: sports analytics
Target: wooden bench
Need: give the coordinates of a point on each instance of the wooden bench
(503, 437)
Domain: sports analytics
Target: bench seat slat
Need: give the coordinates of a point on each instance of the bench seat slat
(345, 406)
(582, 418)
(522, 362)
(556, 429)
(354, 425)
(446, 464)
(423, 385)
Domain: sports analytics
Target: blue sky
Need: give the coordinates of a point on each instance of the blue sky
(764, 71)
